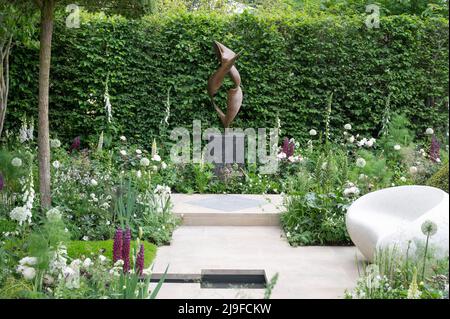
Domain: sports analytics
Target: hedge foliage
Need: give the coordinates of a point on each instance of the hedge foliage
(289, 67)
(440, 179)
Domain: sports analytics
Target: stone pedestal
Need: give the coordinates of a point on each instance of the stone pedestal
(225, 150)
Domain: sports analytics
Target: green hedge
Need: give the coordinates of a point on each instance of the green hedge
(440, 179)
(289, 67)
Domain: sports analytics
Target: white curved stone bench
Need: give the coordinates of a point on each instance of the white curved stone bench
(394, 216)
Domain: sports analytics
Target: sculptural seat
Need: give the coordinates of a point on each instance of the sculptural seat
(394, 216)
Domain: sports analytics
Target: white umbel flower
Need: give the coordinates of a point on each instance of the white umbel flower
(20, 214)
(348, 127)
(54, 214)
(397, 147)
(123, 152)
(156, 158)
(312, 132)
(429, 131)
(360, 162)
(144, 161)
(413, 170)
(17, 162)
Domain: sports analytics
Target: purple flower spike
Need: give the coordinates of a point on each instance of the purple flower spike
(140, 261)
(288, 147)
(75, 144)
(434, 149)
(126, 250)
(2, 182)
(118, 244)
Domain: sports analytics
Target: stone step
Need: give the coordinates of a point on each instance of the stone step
(228, 209)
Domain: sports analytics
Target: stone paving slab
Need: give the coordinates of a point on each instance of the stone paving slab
(228, 209)
(304, 272)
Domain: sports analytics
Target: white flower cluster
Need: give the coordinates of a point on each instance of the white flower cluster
(16, 162)
(54, 214)
(23, 213)
(26, 132)
(26, 268)
(364, 142)
(55, 143)
(351, 190)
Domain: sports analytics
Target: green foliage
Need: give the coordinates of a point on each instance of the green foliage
(78, 248)
(394, 276)
(440, 179)
(290, 65)
(316, 219)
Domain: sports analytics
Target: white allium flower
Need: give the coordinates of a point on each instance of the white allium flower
(17, 162)
(413, 170)
(351, 139)
(94, 182)
(138, 152)
(102, 258)
(429, 131)
(163, 165)
(85, 238)
(123, 138)
(156, 158)
(20, 214)
(353, 190)
(55, 143)
(397, 147)
(429, 228)
(360, 162)
(27, 272)
(144, 161)
(154, 168)
(56, 164)
(403, 179)
(28, 261)
(312, 132)
(348, 127)
(123, 152)
(54, 214)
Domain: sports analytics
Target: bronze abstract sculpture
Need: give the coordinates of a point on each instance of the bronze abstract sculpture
(227, 59)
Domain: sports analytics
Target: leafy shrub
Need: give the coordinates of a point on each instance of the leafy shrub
(440, 179)
(78, 248)
(316, 219)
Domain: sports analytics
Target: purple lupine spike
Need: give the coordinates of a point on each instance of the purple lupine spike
(285, 145)
(434, 149)
(126, 250)
(291, 149)
(140, 261)
(118, 245)
(2, 182)
(75, 144)
(288, 147)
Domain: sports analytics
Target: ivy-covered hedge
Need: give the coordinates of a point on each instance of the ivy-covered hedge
(289, 67)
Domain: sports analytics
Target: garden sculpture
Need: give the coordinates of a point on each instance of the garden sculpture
(227, 59)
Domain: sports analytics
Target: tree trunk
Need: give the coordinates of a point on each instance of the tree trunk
(4, 80)
(44, 82)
